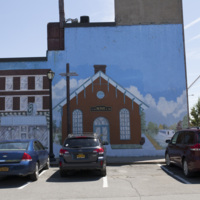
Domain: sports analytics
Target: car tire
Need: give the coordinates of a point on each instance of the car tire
(47, 164)
(167, 160)
(186, 171)
(35, 175)
(103, 172)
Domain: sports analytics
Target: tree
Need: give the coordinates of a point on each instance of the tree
(195, 114)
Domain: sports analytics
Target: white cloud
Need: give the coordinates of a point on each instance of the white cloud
(59, 89)
(164, 107)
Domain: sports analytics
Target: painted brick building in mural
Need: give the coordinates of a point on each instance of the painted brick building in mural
(145, 58)
(24, 104)
(102, 106)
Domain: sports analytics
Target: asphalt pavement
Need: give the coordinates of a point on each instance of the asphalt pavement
(127, 160)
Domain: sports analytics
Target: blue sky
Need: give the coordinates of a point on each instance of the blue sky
(24, 28)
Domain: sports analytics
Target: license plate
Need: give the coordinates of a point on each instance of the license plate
(80, 156)
(4, 169)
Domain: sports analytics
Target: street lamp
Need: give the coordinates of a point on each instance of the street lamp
(50, 76)
(67, 75)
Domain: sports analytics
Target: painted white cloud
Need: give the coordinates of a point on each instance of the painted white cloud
(59, 89)
(164, 107)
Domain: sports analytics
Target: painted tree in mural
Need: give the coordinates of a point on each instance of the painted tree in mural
(195, 114)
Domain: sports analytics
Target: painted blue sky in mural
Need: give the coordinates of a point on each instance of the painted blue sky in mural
(142, 59)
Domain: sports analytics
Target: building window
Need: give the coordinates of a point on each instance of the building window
(2, 103)
(2, 83)
(16, 83)
(124, 118)
(16, 103)
(46, 102)
(31, 83)
(45, 82)
(77, 122)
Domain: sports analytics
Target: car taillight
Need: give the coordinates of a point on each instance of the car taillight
(195, 147)
(26, 157)
(63, 151)
(100, 151)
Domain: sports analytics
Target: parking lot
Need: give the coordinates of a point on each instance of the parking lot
(135, 181)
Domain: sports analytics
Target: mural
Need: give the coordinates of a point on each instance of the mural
(24, 109)
(147, 61)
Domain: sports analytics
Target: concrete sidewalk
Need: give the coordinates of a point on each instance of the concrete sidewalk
(126, 160)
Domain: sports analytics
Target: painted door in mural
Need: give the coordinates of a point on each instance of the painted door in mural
(101, 127)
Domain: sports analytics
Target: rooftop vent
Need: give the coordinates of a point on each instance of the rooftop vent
(84, 19)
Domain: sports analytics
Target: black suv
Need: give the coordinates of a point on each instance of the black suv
(85, 152)
(184, 150)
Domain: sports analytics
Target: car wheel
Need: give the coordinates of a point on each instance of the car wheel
(167, 160)
(186, 171)
(35, 175)
(47, 164)
(103, 172)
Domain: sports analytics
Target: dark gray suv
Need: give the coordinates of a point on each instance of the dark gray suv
(82, 153)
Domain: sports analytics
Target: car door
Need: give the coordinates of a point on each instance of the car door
(41, 153)
(172, 147)
(179, 148)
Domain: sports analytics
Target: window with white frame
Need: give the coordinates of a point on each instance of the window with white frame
(124, 118)
(77, 122)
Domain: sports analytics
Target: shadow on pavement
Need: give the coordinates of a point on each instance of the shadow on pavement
(177, 173)
(13, 182)
(75, 176)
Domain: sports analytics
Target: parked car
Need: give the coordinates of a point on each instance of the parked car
(23, 158)
(82, 153)
(184, 150)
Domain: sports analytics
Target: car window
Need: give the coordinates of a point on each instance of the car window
(189, 138)
(81, 142)
(174, 138)
(40, 145)
(37, 147)
(180, 138)
(13, 146)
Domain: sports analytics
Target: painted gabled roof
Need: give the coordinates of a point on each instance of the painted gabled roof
(100, 74)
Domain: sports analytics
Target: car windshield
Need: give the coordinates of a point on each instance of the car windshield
(81, 142)
(9, 146)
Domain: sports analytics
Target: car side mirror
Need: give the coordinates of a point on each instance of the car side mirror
(168, 141)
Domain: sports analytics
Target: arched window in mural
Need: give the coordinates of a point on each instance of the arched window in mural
(124, 118)
(77, 122)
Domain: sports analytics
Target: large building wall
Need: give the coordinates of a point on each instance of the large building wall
(132, 12)
(144, 53)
